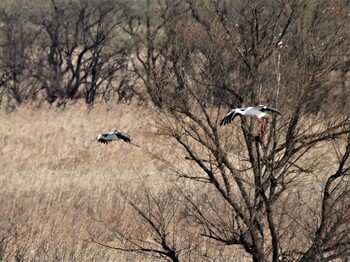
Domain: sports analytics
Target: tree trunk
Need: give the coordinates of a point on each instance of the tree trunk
(258, 252)
(311, 255)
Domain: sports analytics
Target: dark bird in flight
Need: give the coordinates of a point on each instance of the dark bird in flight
(106, 138)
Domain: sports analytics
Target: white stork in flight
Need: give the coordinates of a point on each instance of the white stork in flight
(260, 112)
(106, 138)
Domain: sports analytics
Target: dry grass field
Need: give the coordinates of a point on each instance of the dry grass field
(52, 174)
(195, 190)
(55, 182)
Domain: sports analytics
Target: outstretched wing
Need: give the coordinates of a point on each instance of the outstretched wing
(229, 117)
(263, 108)
(103, 138)
(123, 136)
(103, 141)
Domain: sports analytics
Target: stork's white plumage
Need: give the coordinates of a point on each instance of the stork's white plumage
(108, 137)
(260, 112)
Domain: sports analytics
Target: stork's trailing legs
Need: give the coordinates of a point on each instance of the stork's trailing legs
(262, 127)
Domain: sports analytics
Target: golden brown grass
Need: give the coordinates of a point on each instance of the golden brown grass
(52, 174)
(54, 181)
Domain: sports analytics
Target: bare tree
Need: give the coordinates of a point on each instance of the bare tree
(80, 53)
(160, 225)
(152, 31)
(16, 48)
(331, 239)
(246, 180)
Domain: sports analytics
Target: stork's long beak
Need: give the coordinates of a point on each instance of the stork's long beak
(134, 144)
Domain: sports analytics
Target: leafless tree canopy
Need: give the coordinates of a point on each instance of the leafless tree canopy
(63, 51)
(66, 50)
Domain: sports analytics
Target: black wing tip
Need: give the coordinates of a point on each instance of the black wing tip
(276, 111)
(127, 140)
(103, 141)
(266, 108)
(124, 136)
(225, 121)
(229, 117)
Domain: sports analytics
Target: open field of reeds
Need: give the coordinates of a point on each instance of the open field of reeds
(65, 197)
(56, 184)
(52, 175)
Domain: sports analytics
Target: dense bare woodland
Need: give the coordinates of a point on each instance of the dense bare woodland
(167, 72)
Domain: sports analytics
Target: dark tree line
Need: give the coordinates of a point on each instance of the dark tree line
(67, 50)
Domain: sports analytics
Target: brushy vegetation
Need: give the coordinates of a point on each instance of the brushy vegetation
(57, 185)
(167, 72)
(59, 51)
